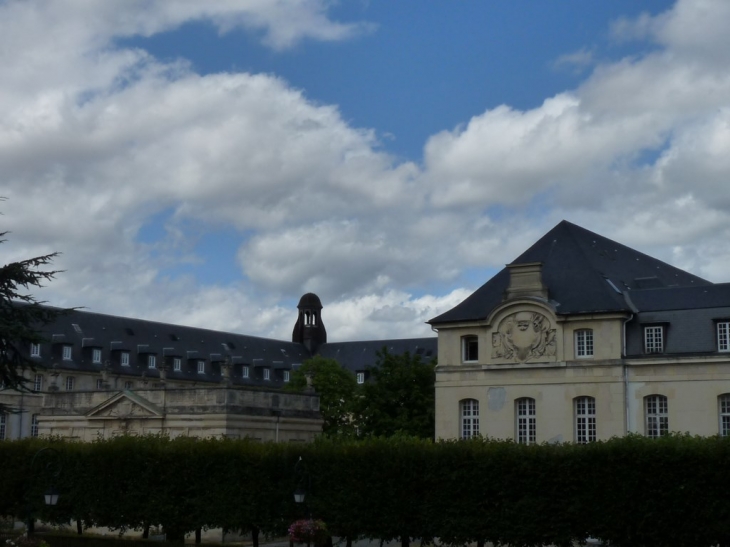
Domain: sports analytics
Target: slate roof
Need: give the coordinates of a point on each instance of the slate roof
(139, 337)
(681, 298)
(358, 356)
(584, 273)
(85, 330)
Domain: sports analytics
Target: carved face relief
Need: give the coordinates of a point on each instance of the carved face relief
(524, 335)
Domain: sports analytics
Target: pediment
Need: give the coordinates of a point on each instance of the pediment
(125, 405)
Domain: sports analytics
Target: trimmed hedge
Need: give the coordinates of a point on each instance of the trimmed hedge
(630, 491)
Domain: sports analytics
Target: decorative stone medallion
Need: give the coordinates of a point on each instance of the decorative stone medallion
(522, 336)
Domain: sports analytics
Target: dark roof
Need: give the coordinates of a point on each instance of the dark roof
(84, 329)
(584, 273)
(358, 356)
(681, 298)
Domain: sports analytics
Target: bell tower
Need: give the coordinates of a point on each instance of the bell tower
(309, 329)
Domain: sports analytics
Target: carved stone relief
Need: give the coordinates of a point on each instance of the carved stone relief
(522, 336)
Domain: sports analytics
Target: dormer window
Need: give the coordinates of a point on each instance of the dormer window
(286, 376)
(124, 358)
(66, 353)
(201, 367)
(469, 349)
(360, 377)
(152, 361)
(267, 374)
(96, 355)
(654, 339)
(35, 350)
(244, 372)
(177, 364)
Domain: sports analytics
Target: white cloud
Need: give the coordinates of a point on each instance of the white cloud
(96, 140)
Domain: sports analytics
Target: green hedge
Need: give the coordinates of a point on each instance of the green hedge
(631, 491)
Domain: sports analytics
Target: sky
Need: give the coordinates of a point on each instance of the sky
(207, 163)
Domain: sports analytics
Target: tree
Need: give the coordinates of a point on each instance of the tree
(400, 398)
(336, 388)
(21, 315)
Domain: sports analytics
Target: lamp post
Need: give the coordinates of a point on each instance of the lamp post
(50, 495)
(301, 473)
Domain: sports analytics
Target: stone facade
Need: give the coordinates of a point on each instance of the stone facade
(552, 350)
(199, 412)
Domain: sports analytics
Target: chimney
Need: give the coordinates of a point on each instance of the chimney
(525, 280)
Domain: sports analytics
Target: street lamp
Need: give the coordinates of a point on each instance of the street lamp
(51, 495)
(301, 473)
(299, 495)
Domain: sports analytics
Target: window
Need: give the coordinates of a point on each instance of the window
(201, 367)
(267, 374)
(38, 382)
(34, 425)
(128, 385)
(66, 353)
(286, 375)
(723, 336)
(585, 419)
(99, 383)
(584, 343)
(653, 339)
(2, 426)
(469, 411)
(69, 383)
(124, 359)
(724, 401)
(96, 355)
(152, 361)
(177, 364)
(35, 350)
(360, 377)
(244, 372)
(469, 349)
(526, 421)
(657, 416)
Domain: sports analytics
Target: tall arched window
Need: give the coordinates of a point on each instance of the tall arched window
(469, 418)
(724, 410)
(656, 410)
(526, 424)
(585, 419)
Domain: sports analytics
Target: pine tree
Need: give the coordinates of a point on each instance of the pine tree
(21, 316)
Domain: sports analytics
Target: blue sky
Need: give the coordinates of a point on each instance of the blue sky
(425, 66)
(208, 163)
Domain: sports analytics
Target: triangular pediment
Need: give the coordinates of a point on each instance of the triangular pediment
(125, 405)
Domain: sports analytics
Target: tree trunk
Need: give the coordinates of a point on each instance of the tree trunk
(146, 531)
(405, 541)
(348, 541)
(79, 527)
(198, 534)
(255, 536)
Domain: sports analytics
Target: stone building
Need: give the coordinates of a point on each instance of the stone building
(100, 375)
(582, 338)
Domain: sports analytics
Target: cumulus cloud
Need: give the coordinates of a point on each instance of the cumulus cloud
(96, 141)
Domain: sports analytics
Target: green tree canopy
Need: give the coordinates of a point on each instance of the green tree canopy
(399, 399)
(21, 315)
(336, 388)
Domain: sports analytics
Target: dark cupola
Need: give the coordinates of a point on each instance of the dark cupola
(309, 330)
